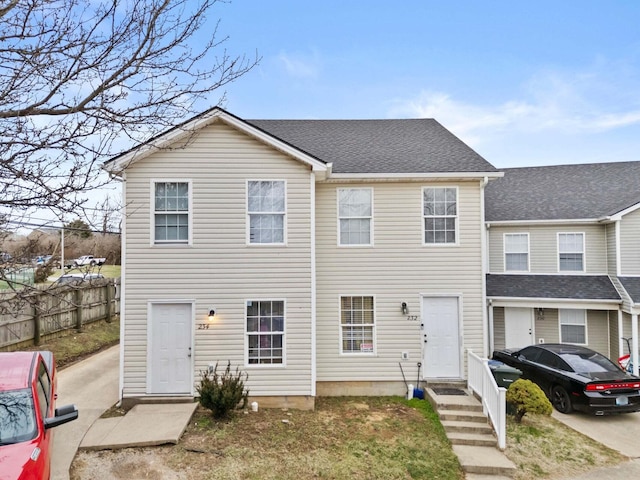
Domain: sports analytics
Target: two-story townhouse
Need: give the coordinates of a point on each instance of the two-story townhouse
(563, 257)
(316, 255)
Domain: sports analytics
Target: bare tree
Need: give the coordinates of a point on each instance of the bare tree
(82, 79)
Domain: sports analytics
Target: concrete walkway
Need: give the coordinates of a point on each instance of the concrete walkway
(92, 385)
(145, 425)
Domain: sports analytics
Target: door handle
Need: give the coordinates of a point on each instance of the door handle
(189, 355)
(425, 338)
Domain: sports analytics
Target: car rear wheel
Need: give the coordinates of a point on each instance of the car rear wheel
(561, 401)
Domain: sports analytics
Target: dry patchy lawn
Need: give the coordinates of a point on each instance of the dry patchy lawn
(355, 438)
(543, 447)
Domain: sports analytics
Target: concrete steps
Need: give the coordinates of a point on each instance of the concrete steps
(470, 434)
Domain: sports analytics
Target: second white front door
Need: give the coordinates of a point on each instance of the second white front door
(518, 327)
(170, 348)
(441, 337)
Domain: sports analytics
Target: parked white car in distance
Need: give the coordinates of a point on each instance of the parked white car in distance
(88, 260)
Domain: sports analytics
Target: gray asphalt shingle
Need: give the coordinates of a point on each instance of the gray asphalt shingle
(585, 191)
(632, 286)
(379, 146)
(579, 287)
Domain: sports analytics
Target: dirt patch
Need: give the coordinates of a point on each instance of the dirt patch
(128, 464)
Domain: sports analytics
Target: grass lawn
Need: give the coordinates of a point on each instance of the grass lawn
(109, 271)
(72, 345)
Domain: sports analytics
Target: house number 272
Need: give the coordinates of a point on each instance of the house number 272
(412, 318)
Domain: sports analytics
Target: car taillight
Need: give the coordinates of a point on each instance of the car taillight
(599, 387)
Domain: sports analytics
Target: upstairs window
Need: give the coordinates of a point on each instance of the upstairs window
(571, 252)
(265, 332)
(266, 202)
(171, 212)
(516, 252)
(357, 323)
(573, 326)
(440, 214)
(355, 215)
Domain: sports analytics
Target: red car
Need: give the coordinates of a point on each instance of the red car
(27, 414)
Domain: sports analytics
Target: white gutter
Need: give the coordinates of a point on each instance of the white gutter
(486, 344)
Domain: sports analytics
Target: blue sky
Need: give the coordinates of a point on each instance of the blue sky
(523, 83)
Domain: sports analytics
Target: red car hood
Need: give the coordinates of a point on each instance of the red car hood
(16, 462)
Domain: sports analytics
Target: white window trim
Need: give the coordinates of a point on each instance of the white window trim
(353, 245)
(584, 253)
(457, 217)
(152, 212)
(246, 334)
(585, 325)
(504, 250)
(248, 215)
(374, 327)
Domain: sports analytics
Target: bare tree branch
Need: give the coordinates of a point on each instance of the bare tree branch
(79, 76)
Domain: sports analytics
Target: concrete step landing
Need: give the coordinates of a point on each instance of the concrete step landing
(484, 461)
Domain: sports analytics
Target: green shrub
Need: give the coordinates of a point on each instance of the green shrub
(222, 393)
(527, 397)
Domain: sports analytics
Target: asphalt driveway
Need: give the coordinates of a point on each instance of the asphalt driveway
(619, 432)
(92, 385)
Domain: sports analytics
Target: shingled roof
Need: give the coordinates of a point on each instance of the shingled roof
(632, 286)
(379, 146)
(569, 287)
(564, 192)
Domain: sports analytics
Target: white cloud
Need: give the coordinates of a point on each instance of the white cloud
(549, 102)
(299, 65)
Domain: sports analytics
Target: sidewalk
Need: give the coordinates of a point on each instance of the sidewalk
(144, 425)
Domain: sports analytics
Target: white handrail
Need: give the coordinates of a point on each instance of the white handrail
(482, 383)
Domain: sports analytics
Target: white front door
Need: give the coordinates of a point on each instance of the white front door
(518, 327)
(441, 337)
(170, 348)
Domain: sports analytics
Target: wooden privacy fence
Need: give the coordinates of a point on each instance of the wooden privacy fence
(27, 318)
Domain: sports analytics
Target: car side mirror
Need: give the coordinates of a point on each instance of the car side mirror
(62, 415)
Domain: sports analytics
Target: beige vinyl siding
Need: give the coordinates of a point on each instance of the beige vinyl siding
(547, 326)
(499, 339)
(543, 247)
(610, 235)
(614, 336)
(398, 268)
(219, 270)
(629, 241)
(598, 331)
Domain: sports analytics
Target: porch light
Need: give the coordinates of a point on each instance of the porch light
(212, 313)
(404, 308)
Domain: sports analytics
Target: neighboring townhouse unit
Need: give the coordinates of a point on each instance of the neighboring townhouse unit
(316, 255)
(564, 257)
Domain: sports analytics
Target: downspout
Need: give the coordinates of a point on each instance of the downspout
(486, 343)
(312, 214)
(123, 296)
(634, 343)
(620, 334)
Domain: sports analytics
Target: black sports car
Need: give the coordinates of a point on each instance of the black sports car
(576, 378)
